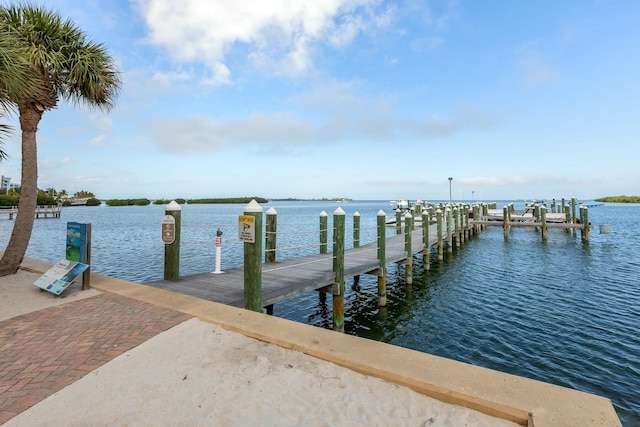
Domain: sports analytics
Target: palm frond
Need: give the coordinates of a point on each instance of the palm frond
(67, 64)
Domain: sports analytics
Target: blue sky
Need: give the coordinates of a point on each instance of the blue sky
(366, 99)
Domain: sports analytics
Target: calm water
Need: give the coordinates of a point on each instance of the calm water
(564, 311)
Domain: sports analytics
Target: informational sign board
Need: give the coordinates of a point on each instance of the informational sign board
(60, 276)
(247, 228)
(77, 242)
(168, 229)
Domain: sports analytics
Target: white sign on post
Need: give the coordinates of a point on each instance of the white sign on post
(247, 228)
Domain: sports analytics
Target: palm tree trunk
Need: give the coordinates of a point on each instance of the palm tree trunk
(14, 254)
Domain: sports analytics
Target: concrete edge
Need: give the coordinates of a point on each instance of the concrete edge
(518, 399)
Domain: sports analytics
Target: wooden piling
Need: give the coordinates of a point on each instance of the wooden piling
(408, 264)
(505, 221)
(270, 236)
(585, 223)
(382, 256)
(449, 214)
(253, 260)
(324, 224)
(338, 269)
(425, 240)
(543, 220)
(440, 241)
(456, 215)
(574, 201)
(356, 229)
(356, 239)
(398, 221)
(172, 250)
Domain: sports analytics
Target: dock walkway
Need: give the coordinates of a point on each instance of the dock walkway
(290, 277)
(42, 211)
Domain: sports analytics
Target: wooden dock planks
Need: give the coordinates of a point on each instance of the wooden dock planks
(290, 277)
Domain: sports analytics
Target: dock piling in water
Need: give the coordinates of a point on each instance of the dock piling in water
(382, 259)
(338, 269)
(425, 240)
(398, 221)
(253, 261)
(270, 237)
(408, 264)
(172, 250)
(324, 220)
(505, 221)
(440, 241)
(543, 220)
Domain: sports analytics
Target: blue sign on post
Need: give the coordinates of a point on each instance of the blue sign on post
(78, 258)
(77, 242)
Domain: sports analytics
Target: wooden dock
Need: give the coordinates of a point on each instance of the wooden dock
(287, 278)
(259, 284)
(42, 211)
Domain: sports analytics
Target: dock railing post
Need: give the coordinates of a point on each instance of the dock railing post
(253, 260)
(324, 224)
(425, 239)
(567, 216)
(543, 220)
(398, 221)
(440, 241)
(338, 269)
(382, 259)
(270, 236)
(408, 264)
(172, 250)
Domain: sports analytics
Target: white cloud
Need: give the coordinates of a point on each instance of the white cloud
(328, 114)
(279, 34)
(200, 134)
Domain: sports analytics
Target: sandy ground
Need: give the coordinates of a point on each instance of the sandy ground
(198, 374)
(19, 296)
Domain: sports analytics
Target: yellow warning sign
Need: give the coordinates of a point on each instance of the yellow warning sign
(247, 228)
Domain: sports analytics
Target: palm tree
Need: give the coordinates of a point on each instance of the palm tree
(15, 77)
(69, 66)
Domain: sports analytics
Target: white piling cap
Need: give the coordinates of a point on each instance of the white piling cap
(338, 211)
(408, 215)
(323, 213)
(381, 213)
(356, 213)
(172, 206)
(272, 211)
(253, 206)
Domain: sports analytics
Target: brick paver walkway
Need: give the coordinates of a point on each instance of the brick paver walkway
(44, 351)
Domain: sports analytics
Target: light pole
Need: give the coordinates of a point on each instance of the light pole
(450, 179)
(473, 196)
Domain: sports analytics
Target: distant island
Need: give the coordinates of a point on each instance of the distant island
(619, 199)
(218, 200)
(144, 202)
(322, 199)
